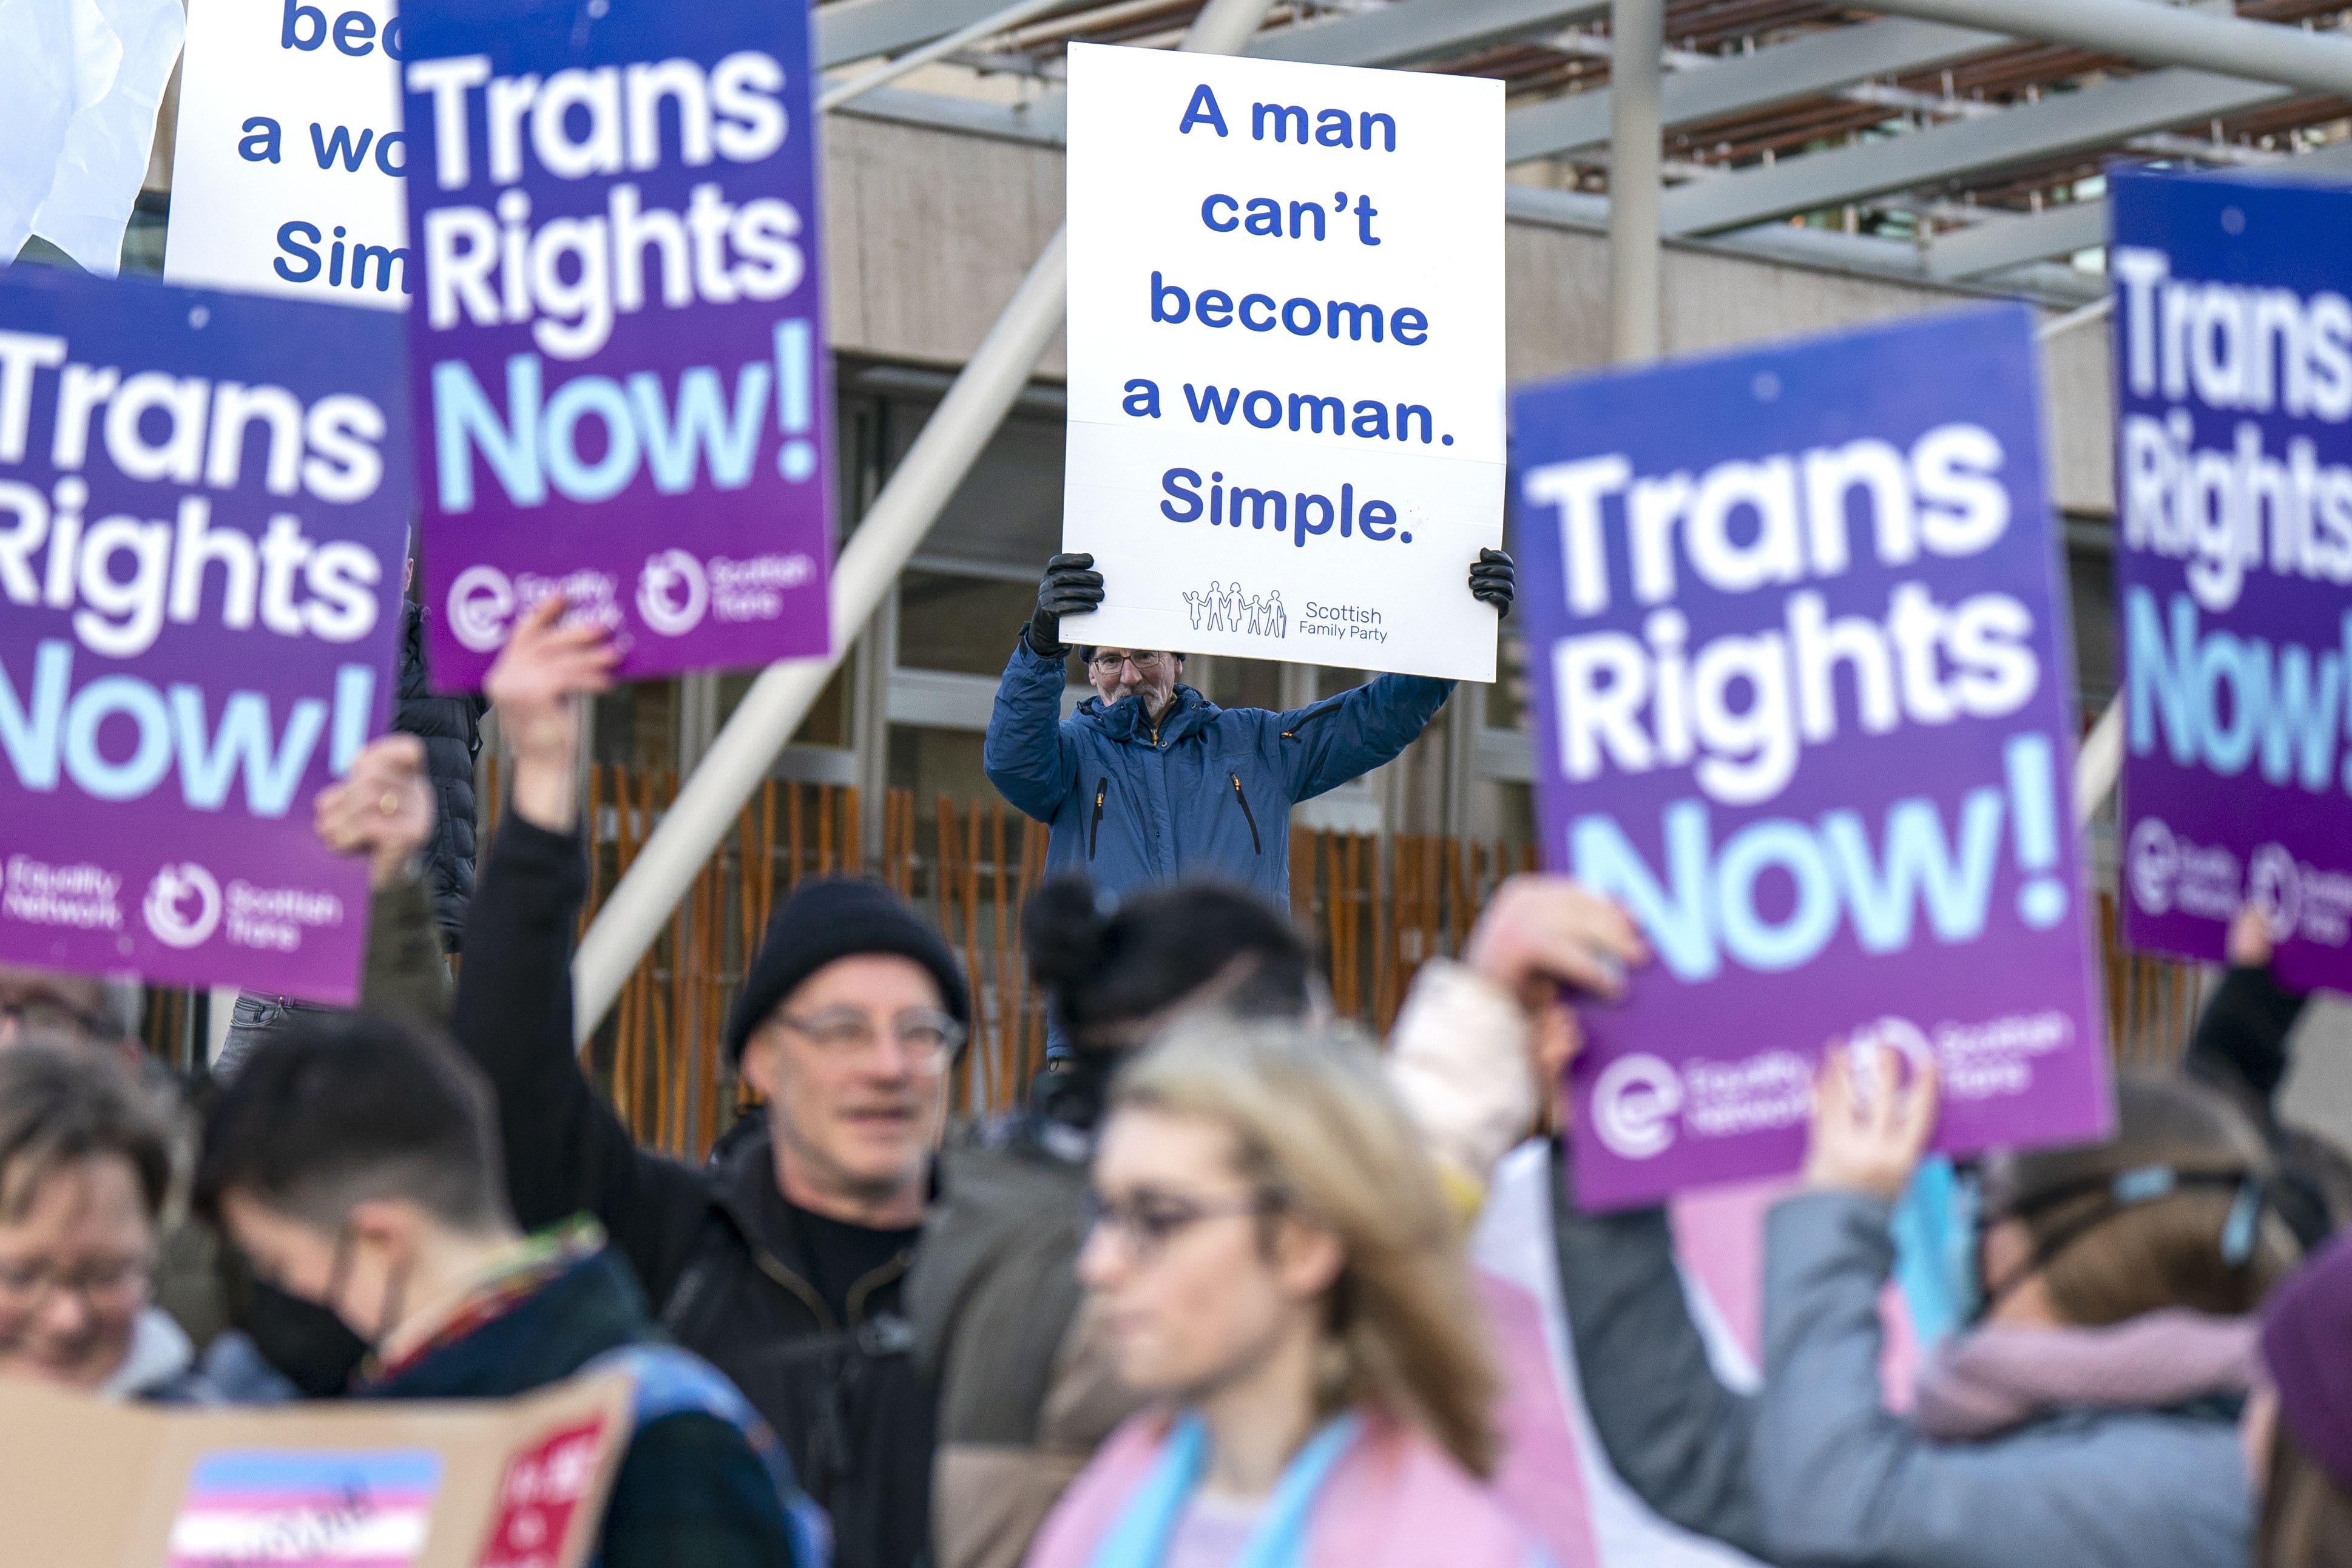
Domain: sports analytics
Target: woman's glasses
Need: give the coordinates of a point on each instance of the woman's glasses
(1147, 1221)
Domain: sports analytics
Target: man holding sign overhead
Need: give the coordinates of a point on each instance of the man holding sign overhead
(1149, 781)
(1285, 440)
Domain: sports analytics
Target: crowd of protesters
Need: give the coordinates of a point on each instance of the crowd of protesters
(1208, 1301)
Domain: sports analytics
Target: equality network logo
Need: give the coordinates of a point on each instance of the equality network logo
(1223, 607)
(1641, 1103)
(481, 602)
(182, 905)
(672, 592)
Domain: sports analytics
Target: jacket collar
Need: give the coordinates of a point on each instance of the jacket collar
(1187, 711)
(589, 1304)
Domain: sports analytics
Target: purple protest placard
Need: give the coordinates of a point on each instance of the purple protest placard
(2233, 548)
(618, 344)
(203, 503)
(1804, 696)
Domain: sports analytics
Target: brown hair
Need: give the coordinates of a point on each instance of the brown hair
(1317, 1129)
(2307, 1520)
(60, 1105)
(2104, 1259)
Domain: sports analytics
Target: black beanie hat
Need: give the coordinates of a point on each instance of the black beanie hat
(838, 917)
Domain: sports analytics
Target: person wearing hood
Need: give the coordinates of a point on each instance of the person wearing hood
(87, 1164)
(782, 1263)
(1149, 781)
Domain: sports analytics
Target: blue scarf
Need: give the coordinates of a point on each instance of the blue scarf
(1140, 1537)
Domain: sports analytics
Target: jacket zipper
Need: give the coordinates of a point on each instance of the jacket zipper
(1248, 814)
(1094, 828)
(798, 1287)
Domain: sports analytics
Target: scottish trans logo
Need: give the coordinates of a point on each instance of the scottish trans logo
(1223, 607)
(672, 592)
(182, 905)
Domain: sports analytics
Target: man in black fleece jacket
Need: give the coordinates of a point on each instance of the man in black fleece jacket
(782, 1263)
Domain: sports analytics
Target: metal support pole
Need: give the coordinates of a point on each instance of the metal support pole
(896, 523)
(2153, 33)
(1636, 158)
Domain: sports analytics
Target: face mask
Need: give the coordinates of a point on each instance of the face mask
(307, 1343)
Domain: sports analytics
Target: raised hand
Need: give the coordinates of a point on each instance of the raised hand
(1540, 932)
(2250, 939)
(1071, 586)
(1867, 1137)
(1494, 580)
(382, 808)
(533, 688)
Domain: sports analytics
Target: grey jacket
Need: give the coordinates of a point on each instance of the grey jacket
(1813, 1470)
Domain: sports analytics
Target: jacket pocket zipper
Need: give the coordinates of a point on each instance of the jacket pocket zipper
(1094, 828)
(1249, 815)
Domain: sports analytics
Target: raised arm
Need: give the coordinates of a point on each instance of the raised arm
(2241, 1040)
(383, 809)
(1325, 743)
(1479, 1047)
(1682, 1440)
(566, 1152)
(1842, 1483)
(1028, 758)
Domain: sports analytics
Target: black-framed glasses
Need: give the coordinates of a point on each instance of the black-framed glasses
(1109, 663)
(1147, 1221)
(927, 1035)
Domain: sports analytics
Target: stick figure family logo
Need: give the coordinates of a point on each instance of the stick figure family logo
(481, 602)
(1223, 607)
(182, 905)
(672, 592)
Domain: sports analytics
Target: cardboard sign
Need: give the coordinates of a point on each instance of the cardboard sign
(286, 169)
(620, 383)
(1285, 358)
(2233, 550)
(203, 503)
(338, 1484)
(1805, 693)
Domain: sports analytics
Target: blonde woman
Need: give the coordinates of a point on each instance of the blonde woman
(1276, 1268)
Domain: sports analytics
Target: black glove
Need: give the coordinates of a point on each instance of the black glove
(1071, 586)
(1493, 579)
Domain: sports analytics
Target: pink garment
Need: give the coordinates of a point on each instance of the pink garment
(1539, 1479)
(1983, 1383)
(1209, 1536)
(1395, 1502)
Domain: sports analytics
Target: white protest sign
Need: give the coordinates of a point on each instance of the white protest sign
(286, 175)
(1285, 358)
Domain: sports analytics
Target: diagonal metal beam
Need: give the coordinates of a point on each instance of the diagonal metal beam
(860, 29)
(1397, 34)
(2071, 123)
(1823, 63)
(1996, 243)
(2078, 226)
(2160, 34)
